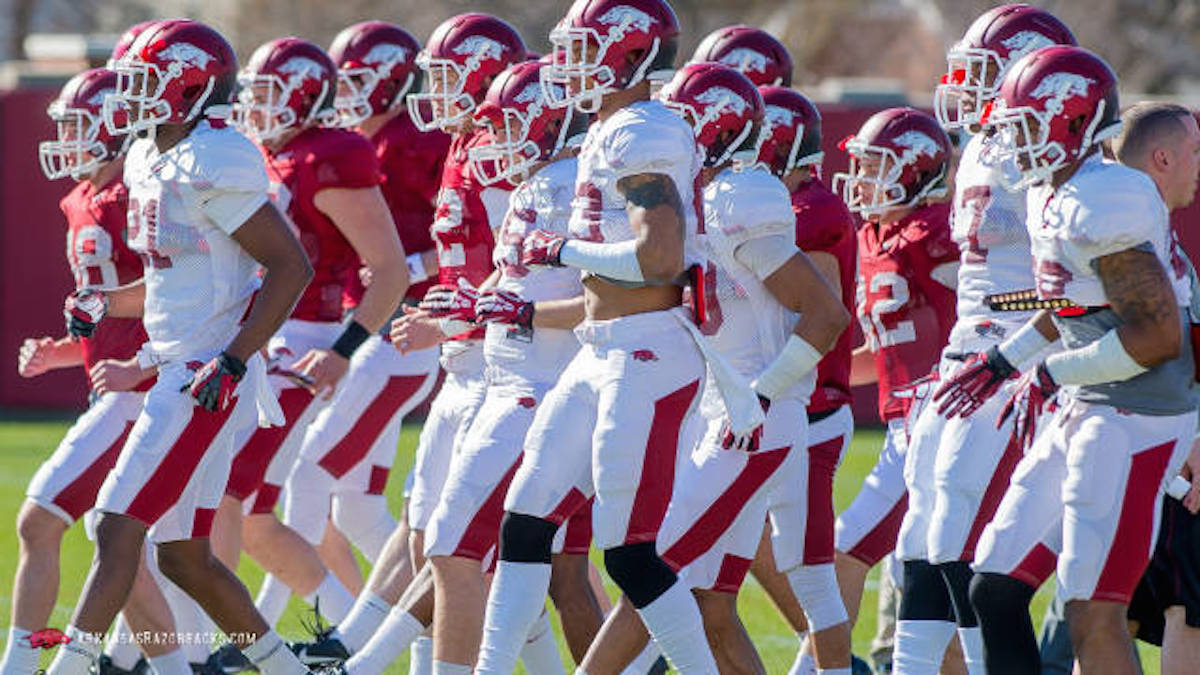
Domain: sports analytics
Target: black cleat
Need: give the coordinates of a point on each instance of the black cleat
(658, 667)
(324, 650)
(105, 666)
(228, 660)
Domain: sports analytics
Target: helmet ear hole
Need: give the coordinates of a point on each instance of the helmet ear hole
(1077, 125)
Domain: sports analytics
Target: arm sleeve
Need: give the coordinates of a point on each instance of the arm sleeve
(650, 145)
(930, 257)
(765, 255)
(1125, 212)
(495, 203)
(235, 185)
(821, 228)
(352, 164)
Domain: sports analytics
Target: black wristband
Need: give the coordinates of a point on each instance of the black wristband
(232, 364)
(350, 339)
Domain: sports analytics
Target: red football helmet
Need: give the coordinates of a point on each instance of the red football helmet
(791, 131)
(1054, 105)
(592, 44)
(171, 74)
(288, 84)
(724, 108)
(126, 40)
(461, 58)
(525, 130)
(978, 63)
(377, 67)
(753, 51)
(897, 159)
(83, 142)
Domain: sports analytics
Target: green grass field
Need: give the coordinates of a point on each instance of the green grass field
(23, 446)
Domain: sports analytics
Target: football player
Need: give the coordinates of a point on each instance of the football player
(1126, 412)
(612, 424)
(761, 281)
(327, 181)
(905, 293)
(957, 469)
(200, 218)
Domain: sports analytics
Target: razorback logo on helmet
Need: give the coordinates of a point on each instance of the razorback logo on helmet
(624, 17)
(746, 60)
(1020, 44)
(483, 46)
(531, 92)
(775, 116)
(302, 67)
(1058, 87)
(722, 96)
(186, 52)
(98, 98)
(916, 144)
(385, 52)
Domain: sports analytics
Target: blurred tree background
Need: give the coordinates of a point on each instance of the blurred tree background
(1153, 44)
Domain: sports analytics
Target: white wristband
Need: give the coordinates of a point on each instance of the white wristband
(1023, 345)
(1102, 361)
(416, 268)
(616, 261)
(796, 360)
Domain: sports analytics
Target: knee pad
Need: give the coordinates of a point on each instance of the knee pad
(1001, 604)
(924, 597)
(816, 589)
(957, 576)
(365, 520)
(526, 539)
(639, 572)
(306, 506)
(999, 595)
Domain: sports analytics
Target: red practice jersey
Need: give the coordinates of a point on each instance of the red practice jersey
(824, 225)
(99, 258)
(410, 162)
(316, 159)
(906, 315)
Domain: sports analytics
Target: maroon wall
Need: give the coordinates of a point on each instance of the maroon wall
(34, 277)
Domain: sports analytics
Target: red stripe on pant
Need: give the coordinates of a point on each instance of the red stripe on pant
(250, 464)
(567, 507)
(357, 442)
(265, 499)
(818, 530)
(992, 496)
(483, 531)
(164, 487)
(1036, 567)
(80, 494)
(377, 482)
(732, 574)
(719, 516)
(881, 540)
(578, 540)
(658, 465)
(1131, 546)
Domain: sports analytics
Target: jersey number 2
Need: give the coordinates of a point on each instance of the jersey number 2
(878, 334)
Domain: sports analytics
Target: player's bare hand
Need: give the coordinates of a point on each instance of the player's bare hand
(35, 356)
(113, 375)
(325, 367)
(364, 275)
(416, 330)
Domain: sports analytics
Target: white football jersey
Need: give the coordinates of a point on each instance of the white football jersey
(988, 224)
(645, 137)
(183, 206)
(740, 206)
(543, 202)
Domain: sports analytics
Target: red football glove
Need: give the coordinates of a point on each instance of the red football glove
(214, 383)
(1034, 395)
(450, 302)
(978, 380)
(542, 248)
(750, 442)
(503, 307)
(84, 309)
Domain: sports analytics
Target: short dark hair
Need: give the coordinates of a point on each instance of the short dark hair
(1142, 124)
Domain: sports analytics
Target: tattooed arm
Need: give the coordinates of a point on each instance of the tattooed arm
(1139, 292)
(656, 216)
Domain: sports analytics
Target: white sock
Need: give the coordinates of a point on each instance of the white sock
(444, 668)
(272, 599)
(804, 663)
(272, 657)
(674, 622)
(919, 646)
(172, 663)
(192, 624)
(120, 647)
(540, 653)
(335, 600)
(395, 634)
(517, 597)
(641, 664)
(834, 671)
(78, 655)
(20, 658)
(364, 619)
(971, 640)
(420, 656)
